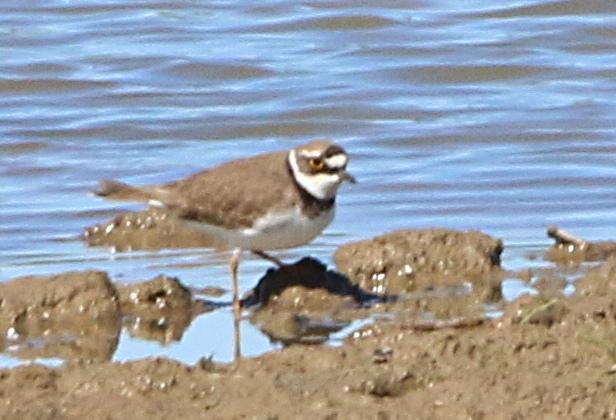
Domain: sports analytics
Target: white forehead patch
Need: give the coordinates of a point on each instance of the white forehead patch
(311, 154)
(336, 161)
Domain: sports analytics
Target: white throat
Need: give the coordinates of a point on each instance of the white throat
(322, 186)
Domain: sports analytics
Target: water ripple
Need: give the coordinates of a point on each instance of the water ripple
(495, 116)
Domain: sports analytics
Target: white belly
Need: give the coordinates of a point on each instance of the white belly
(274, 231)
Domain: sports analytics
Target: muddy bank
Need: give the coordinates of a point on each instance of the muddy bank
(79, 315)
(547, 358)
(71, 315)
(149, 229)
(430, 352)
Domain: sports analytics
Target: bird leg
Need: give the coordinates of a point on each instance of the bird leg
(233, 266)
(268, 257)
(237, 307)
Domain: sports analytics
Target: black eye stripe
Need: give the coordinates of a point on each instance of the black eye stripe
(322, 160)
(333, 150)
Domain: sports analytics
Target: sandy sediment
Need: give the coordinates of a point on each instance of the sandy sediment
(70, 315)
(430, 351)
(150, 229)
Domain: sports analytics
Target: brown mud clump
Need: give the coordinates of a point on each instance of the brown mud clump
(440, 277)
(160, 309)
(70, 316)
(304, 302)
(408, 260)
(308, 273)
(570, 249)
(447, 274)
(150, 229)
(79, 315)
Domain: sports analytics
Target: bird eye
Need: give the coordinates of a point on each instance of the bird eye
(316, 163)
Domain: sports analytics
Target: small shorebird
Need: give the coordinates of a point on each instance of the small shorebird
(270, 201)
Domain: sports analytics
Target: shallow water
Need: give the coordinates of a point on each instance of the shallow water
(498, 117)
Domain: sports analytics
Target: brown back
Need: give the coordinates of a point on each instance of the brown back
(233, 194)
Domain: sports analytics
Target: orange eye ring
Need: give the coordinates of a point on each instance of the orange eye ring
(316, 163)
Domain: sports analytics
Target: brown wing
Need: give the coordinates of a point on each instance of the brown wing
(232, 194)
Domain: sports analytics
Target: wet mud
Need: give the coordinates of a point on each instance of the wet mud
(150, 229)
(570, 249)
(409, 260)
(70, 316)
(429, 350)
(78, 316)
(160, 309)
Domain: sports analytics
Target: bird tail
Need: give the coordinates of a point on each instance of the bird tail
(119, 191)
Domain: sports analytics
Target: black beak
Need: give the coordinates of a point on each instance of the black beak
(345, 176)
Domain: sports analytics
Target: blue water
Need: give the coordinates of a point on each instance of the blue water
(494, 116)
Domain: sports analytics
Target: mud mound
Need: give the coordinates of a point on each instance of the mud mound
(160, 309)
(570, 249)
(150, 229)
(73, 315)
(408, 260)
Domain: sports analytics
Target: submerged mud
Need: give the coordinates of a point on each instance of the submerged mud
(428, 352)
(79, 315)
(150, 229)
(160, 309)
(546, 358)
(70, 316)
